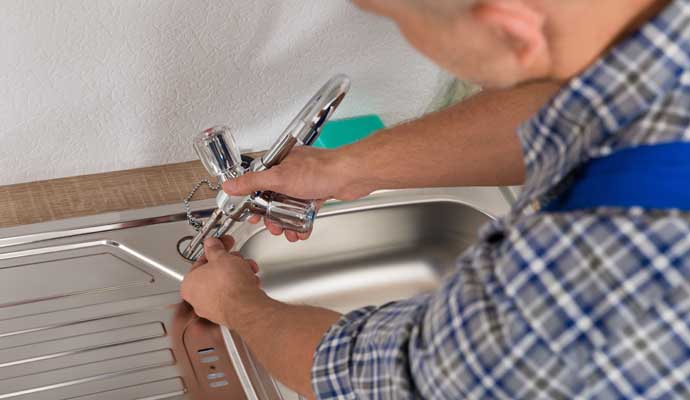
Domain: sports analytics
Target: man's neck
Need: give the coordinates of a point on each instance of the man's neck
(608, 22)
(646, 13)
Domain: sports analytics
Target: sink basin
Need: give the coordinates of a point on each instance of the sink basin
(369, 256)
(89, 307)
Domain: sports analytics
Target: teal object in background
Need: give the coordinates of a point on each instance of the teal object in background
(342, 132)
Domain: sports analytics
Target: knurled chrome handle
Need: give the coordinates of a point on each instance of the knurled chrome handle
(219, 153)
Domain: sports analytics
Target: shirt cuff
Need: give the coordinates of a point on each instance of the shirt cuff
(330, 374)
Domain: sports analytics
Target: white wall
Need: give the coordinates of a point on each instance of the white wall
(97, 85)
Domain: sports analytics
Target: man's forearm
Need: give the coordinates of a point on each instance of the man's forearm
(473, 143)
(284, 338)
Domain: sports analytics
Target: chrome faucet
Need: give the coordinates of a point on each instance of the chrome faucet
(220, 155)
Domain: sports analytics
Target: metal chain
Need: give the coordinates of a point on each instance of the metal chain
(195, 222)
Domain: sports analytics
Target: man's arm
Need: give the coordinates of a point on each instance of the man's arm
(284, 338)
(470, 144)
(473, 143)
(223, 288)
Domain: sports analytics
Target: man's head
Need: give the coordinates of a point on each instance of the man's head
(504, 42)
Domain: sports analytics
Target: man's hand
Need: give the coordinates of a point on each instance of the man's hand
(306, 173)
(223, 287)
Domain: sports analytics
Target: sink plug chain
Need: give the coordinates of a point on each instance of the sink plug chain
(195, 222)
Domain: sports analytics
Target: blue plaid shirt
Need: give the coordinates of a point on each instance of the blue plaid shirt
(591, 304)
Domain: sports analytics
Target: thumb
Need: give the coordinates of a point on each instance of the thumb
(250, 182)
(214, 249)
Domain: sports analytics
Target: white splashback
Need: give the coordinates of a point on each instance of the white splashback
(90, 86)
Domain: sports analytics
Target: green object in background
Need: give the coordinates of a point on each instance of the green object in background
(341, 132)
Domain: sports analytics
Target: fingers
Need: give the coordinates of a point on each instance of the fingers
(228, 242)
(252, 264)
(185, 291)
(274, 229)
(187, 287)
(199, 262)
(253, 181)
(291, 236)
(214, 249)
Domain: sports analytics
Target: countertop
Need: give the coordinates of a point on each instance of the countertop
(42, 201)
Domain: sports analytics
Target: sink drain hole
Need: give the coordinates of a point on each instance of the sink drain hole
(182, 245)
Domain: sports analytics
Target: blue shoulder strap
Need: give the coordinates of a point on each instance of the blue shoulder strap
(651, 177)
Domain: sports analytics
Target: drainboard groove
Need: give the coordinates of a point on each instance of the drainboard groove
(93, 356)
(99, 340)
(134, 372)
(85, 335)
(90, 312)
(175, 387)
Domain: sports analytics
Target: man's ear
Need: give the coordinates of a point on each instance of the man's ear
(521, 24)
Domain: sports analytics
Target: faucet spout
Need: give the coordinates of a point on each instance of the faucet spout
(307, 125)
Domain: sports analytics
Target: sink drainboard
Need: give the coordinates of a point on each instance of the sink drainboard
(96, 316)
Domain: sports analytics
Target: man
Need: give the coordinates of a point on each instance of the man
(588, 297)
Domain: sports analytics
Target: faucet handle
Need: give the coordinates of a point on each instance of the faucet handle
(219, 153)
(287, 212)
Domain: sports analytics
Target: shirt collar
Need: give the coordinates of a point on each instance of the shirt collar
(606, 98)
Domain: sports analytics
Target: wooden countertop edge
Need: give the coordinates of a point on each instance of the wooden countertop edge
(78, 196)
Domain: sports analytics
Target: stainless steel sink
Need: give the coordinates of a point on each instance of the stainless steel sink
(89, 307)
